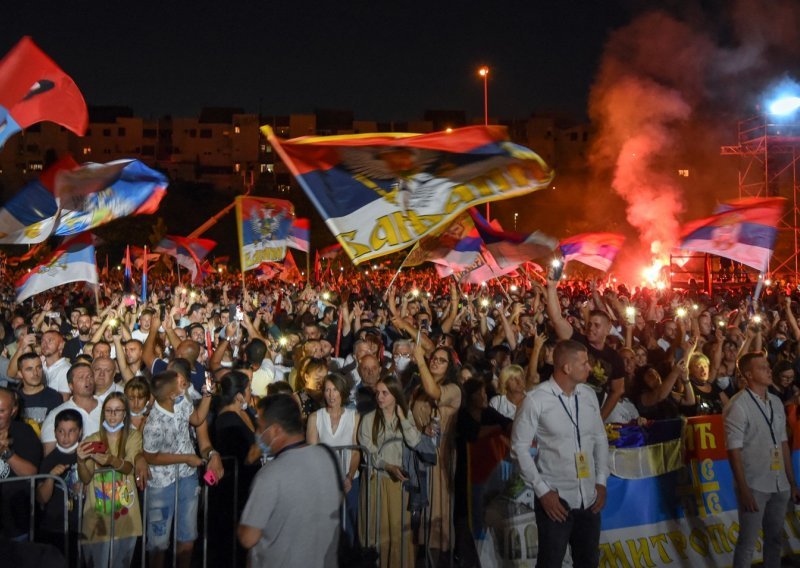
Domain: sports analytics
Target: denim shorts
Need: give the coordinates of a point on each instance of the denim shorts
(161, 508)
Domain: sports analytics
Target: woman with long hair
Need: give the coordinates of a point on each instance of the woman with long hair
(308, 385)
(233, 435)
(384, 432)
(335, 425)
(434, 405)
(111, 492)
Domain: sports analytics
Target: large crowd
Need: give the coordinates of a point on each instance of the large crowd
(116, 396)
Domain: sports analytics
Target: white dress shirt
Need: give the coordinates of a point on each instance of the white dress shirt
(542, 417)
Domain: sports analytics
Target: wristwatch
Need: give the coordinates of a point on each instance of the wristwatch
(5, 456)
(211, 453)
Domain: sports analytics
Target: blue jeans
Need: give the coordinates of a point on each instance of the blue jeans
(161, 508)
(581, 532)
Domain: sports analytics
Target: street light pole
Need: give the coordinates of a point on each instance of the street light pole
(484, 72)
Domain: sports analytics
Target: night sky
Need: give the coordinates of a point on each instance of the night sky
(383, 60)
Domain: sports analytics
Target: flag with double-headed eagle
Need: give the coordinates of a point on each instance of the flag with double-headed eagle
(68, 199)
(743, 230)
(380, 193)
(263, 226)
(73, 261)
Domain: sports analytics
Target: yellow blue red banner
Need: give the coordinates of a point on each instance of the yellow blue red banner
(685, 517)
(380, 193)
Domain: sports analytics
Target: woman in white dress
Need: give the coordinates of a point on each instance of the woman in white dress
(334, 425)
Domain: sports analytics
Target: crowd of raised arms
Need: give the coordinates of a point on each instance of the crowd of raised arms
(106, 390)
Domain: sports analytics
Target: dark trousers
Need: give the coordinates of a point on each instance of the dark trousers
(581, 531)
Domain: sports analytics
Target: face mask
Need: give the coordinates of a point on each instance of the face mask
(111, 429)
(778, 342)
(265, 449)
(226, 364)
(244, 406)
(68, 450)
(138, 414)
(723, 382)
(402, 362)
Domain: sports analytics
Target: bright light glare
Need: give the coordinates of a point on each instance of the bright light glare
(555, 263)
(652, 272)
(784, 105)
(630, 311)
(680, 312)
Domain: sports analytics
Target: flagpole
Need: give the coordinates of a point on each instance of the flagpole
(308, 265)
(399, 268)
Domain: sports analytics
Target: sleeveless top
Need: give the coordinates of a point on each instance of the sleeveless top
(342, 437)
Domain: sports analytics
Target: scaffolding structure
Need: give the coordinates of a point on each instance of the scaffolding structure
(769, 149)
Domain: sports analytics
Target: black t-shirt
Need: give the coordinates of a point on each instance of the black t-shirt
(607, 366)
(52, 518)
(15, 497)
(36, 406)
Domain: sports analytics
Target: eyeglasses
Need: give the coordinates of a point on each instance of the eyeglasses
(114, 411)
(439, 360)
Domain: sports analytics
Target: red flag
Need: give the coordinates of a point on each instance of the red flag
(331, 252)
(33, 88)
(317, 268)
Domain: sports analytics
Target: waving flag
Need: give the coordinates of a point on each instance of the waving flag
(456, 248)
(73, 261)
(509, 248)
(290, 272)
(91, 195)
(188, 252)
(34, 89)
(263, 226)
(139, 257)
(96, 194)
(29, 216)
(597, 250)
(380, 193)
(331, 252)
(300, 235)
(743, 230)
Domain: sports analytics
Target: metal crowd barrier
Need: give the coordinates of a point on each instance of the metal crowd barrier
(32, 479)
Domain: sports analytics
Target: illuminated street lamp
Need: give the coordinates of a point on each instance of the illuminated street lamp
(483, 71)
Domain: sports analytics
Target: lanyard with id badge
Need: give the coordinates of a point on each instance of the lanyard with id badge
(581, 461)
(776, 459)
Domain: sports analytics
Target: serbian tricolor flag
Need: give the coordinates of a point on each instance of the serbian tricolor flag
(68, 199)
(380, 193)
(30, 215)
(331, 252)
(457, 248)
(188, 252)
(73, 261)
(263, 225)
(300, 235)
(95, 194)
(509, 248)
(34, 89)
(597, 250)
(290, 272)
(743, 230)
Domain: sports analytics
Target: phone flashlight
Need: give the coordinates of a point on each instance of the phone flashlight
(680, 312)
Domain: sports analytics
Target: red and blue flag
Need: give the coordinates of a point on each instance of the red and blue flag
(597, 250)
(73, 261)
(34, 89)
(188, 252)
(380, 193)
(743, 230)
(300, 235)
